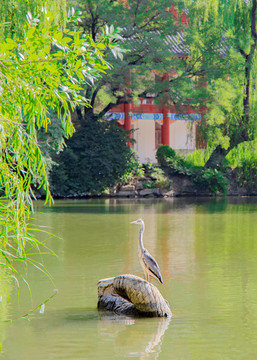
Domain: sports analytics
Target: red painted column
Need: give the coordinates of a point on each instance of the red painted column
(127, 108)
(166, 120)
(127, 120)
(165, 128)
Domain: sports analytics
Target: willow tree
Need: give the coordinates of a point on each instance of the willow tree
(13, 15)
(41, 70)
(225, 32)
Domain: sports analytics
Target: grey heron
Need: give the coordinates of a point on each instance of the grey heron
(148, 263)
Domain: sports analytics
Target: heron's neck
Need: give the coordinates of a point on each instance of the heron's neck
(141, 237)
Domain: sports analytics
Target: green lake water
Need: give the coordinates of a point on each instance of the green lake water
(207, 253)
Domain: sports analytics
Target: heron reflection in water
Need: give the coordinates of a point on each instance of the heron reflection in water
(148, 263)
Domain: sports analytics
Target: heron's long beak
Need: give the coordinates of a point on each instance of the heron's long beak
(133, 222)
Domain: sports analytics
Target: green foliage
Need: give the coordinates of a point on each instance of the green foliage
(203, 179)
(197, 157)
(223, 119)
(157, 175)
(210, 179)
(243, 155)
(52, 140)
(244, 159)
(246, 177)
(164, 154)
(42, 71)
(222, 35)
(221, 48)
(95, 158)
(15, 13)
(134, 168)
(149, 185)
(175, 164)
(144, 25)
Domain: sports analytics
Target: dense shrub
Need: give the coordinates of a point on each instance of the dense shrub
(152, 176)
(95, 158)
(210, 179)
(197, 157)
(157, 176)
(244, 155)
(164, 155)
(246, 177)
(244, 159)
(134, 168)
(171, 162)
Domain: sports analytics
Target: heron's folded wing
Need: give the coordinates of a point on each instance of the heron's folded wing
(152, 265)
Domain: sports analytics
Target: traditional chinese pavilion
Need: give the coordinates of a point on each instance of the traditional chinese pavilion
(154, 125)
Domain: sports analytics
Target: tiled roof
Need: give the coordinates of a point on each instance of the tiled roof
(175, 43)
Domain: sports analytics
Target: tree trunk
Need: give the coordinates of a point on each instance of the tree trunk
(217, 158)
(131, 295)
(244, 126)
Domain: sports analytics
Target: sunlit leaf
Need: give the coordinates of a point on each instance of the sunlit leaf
(42, 309)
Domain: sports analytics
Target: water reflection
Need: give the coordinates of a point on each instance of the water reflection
(132, 338)
(207, 253)
(5, 290)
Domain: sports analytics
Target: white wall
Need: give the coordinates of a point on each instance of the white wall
(182, 135)
(145, 140)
